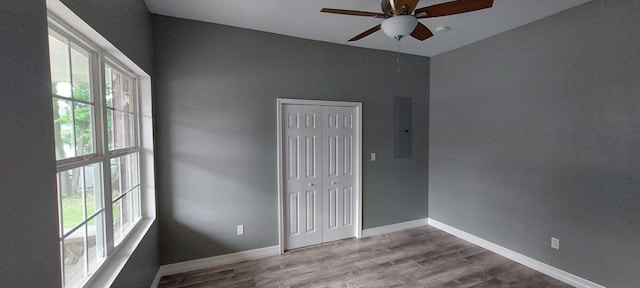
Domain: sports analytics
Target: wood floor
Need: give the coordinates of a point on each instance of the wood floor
(420, 257)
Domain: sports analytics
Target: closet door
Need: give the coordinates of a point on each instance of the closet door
(302, 165)
(338, 172)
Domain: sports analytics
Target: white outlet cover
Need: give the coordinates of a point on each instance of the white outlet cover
(555, 243)
(373, 156)
(240, 230)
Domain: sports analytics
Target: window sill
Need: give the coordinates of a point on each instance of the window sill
(107, 274)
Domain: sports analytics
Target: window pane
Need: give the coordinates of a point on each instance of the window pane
(137, 212)
(117, 221)
(96, 242)
(73, 129)
(93, 198)
(108, 81)
(127, 214)
(124, 174)
(126, 103)
(63, 129)
(81, 75)
(71, 196)
(119, 90)
(74, 258)
(59, 62)
(74, 186)
(83, 121)
(121, 129)
(123, 221)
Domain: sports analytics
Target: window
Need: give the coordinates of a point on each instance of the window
(97, 146)
(121, 141)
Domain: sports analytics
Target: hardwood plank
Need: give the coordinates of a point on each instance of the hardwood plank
(420, 257)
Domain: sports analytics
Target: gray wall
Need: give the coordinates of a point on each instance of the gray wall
(29, 254)
(143, 264)
(125, 23)
(216, 90)
(536, 133)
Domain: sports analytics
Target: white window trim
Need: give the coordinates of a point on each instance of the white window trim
(113, 265)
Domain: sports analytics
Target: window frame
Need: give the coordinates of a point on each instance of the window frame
(94, 55)
(135, 149)
(136, 104)
(102, 156)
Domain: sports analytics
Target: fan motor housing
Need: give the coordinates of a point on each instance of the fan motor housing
(390, 9)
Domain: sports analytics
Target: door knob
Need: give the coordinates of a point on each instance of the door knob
(334, 182)
(310, 184)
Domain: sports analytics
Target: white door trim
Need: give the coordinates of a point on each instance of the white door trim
(281, 102)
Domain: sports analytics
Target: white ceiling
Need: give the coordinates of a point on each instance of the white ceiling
(302, 18)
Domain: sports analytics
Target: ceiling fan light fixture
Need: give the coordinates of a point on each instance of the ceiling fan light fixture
(399, 26)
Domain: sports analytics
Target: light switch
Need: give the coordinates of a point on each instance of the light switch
(373, 156)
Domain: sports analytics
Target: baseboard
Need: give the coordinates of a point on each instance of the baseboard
(210, 262)
(156, 281)
(517, 257)
(394, 227)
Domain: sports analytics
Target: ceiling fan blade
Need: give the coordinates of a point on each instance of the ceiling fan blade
(352, 12)
(365, 33)
(453, 7)
(421, 32)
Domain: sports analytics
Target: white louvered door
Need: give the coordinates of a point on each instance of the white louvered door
(319, 185)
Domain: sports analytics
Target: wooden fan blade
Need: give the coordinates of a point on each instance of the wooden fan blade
(365, 33)
(453, 7)
(421, 32)
(352, 12)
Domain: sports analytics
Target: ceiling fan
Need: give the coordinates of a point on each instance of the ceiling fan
(401, 16)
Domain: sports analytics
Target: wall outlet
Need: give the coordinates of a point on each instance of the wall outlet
(555, 243)
(373, 156)
(240, 230)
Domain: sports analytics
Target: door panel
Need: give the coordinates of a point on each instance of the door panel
(311, 211)
(348, 206)
(294, 215)
(311, 154)
(332, 156)
(301, 153)
(292, 156)
(338, 181)
(348, 155)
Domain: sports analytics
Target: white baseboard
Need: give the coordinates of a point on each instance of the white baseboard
(156, 281)
(517, 257)
(394, 227)
(210, 262)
